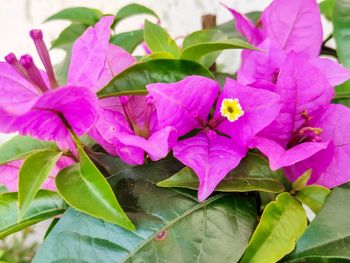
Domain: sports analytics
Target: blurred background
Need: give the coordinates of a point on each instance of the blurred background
(180, 17)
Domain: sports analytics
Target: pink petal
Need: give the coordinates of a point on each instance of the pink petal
(302, 87)
(7, 122)
(89, 54)
(77, 105)
(246, 27)
(116, 61)
(280, 157)
(295, 25)
(185, 103)
(335, 73)
(262, 65)
(260, 109)
(9, 175)
(17, 96)
(211, 156)
(331, 167)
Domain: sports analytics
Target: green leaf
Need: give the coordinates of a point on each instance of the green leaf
(342, 94)
(341, 30)
(132, 10)
(157, 55)
(196, 52)
(313, 196)
(128, 40)
(82, 15)
(34, 171)
(85, 188)
(45, 205)
(282, 223)
(158, 40)
(327, 7)
(67, 37)
(253, 174)
(136, 77)
(204, 36)
(3, 189)
(21, 146)
(327, 239)
(301, 182)
(171, 226)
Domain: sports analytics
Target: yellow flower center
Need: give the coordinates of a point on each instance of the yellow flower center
(231, 109)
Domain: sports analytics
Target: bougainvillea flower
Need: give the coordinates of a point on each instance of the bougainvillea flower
(309, 132)
(330, 165)
(33, 103)
(284, 26)
(9, 174)
(221, 143)
(127, 127)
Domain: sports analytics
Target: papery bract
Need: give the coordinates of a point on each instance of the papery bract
(186, 105)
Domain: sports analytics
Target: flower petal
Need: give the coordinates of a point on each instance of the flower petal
(331, 167)
(185, 103)
(89, 54)
(211, 156)
(9, 175)
(116, 61)
(295, 25)
(17, 95)
(262, 65)
(279, 157)
(77, 105)
(260, 109)
(302, 87)
(335, 73)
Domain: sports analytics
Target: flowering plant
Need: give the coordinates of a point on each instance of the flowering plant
(156, 158)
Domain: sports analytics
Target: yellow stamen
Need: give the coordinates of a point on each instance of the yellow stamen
(231, 109)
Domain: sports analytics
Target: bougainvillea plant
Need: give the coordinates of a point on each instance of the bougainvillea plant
(162, 158)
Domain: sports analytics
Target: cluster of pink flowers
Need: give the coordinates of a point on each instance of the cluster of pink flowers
(279, 104)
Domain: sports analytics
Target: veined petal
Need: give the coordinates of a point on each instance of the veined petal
(77, 105)
(335, 73)
(303, 88)
(260, 109)
(261, 65)
(211, 156)
(280, 157)
(89, 54)
(184, 104)
(9, 175)
(246, 27)
(295, 25)
(116, 61)
(331, 167)
(17, 95)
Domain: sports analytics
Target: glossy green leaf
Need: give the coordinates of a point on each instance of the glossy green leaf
(282, 223)
(253, 174)
(313, 196)
(157, 55)
(3, 189)
(82, 15)
(327, 7)
(132, 10)
(136, 77)
(196, 52)
(341, 30)
(34, 171)
(171, 226)
(85, 188)
(327, 239)
(205, 36)
(128, 40)
(21, 146)
(45, 205)
(67, 37)
(342, 94)
(301, 182)
(158, 40)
